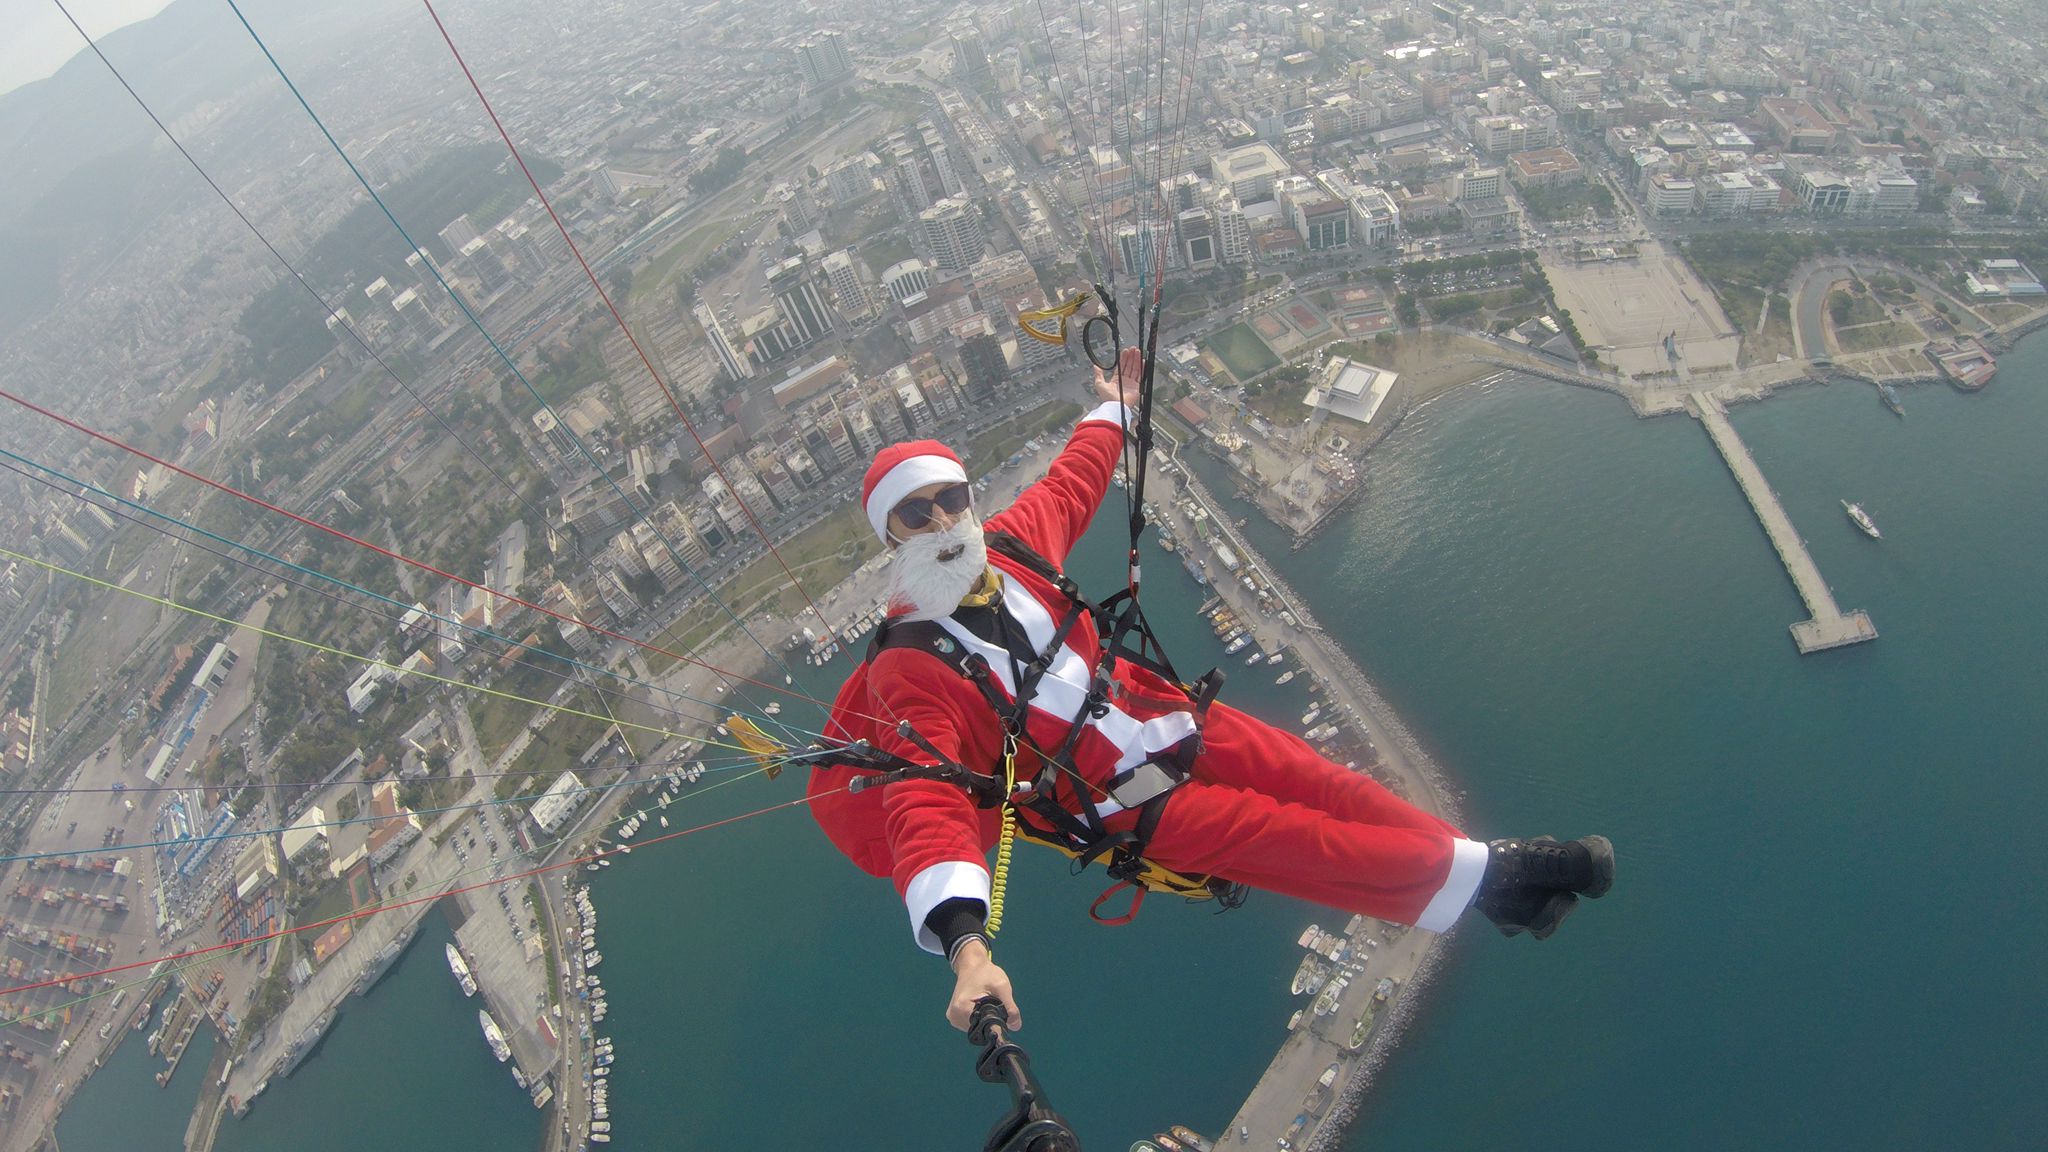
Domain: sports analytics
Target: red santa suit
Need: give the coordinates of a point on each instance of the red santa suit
(1261, 807)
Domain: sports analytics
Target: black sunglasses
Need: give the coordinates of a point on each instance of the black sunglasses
(916, 512)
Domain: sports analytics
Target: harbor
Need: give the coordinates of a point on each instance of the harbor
(1827, 626)
(1372, 969)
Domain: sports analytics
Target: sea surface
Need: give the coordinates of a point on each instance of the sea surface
(1831, 908)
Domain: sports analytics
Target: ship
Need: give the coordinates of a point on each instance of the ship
(1890, 397)
(1285, 676)
(461, 969)
(1237, 645)
(494, 1036)
(1862, 520)
(381, 963)
(295, 1054)
(1188, 1138)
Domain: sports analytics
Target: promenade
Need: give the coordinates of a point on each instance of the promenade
(1285, 1101)
(1829, 626)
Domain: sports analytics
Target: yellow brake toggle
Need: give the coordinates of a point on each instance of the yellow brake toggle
(1050, 324)
(765, 748)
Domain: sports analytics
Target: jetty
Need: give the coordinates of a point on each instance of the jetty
(1829, 626)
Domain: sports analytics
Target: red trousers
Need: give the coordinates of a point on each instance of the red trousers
(1264, 809)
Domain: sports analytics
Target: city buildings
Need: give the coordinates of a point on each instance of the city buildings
(953, 233)
(1250, 172)
(798, 299)
(821, 59)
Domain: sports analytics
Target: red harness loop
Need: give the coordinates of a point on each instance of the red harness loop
(1130, 914)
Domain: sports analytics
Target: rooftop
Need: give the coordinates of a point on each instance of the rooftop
(1350, 388)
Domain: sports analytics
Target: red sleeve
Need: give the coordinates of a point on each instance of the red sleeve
(1055, 512)
(937, 838)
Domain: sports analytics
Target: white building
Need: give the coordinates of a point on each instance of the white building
(1350, 388)
(822, 58)
(906, 278)
(1249, 172)
(952, 231)
(1725, 194)
(557, 804)
(1668, 195)
(1378, 218)
(844, 277)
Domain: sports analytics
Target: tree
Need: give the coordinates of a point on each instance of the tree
(722, 170)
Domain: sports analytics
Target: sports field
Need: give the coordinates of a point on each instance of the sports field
(1242, 351)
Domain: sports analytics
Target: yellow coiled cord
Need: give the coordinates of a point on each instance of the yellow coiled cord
(1005, 842)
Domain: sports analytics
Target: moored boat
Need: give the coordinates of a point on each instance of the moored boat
(1359, 1030)
(494, 1036)
(460, 967)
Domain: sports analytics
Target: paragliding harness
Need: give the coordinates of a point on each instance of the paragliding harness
(1076, 827)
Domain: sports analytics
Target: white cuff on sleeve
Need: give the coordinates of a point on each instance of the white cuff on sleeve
(936, 885)
(1468, 868)
(1112, 411)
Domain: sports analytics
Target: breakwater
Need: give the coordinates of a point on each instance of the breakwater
(1385, 974)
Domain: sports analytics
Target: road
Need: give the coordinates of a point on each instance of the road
(1809, 296)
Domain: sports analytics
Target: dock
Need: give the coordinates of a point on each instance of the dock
(1829, 626)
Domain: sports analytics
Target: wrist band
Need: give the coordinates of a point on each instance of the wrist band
(954, 951)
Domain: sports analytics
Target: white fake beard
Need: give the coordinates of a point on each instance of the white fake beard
(929, 586)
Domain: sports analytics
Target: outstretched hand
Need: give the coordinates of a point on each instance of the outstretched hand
(1130, 370)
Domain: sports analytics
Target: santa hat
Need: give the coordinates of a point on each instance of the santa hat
(901, 469)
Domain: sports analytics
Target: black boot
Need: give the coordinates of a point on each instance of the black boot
(1532, 885)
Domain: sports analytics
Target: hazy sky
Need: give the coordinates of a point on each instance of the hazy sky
(38, 40)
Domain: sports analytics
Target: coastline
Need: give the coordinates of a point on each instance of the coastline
(1409, 957)
(1378, 717)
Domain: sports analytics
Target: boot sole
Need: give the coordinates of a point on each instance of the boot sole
(1602, 851)
(1554, 912)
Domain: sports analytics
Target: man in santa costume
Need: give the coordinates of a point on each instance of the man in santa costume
(1255, 805)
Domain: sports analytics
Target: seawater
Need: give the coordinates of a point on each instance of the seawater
(121, 1107)
(1827, 927)
(1830, 908)
(404, 1067)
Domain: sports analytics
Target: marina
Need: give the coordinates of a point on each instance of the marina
(1828, 626)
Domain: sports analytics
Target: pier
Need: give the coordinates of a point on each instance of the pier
(1829, 626)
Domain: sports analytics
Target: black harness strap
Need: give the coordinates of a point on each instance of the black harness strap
(1081, 825)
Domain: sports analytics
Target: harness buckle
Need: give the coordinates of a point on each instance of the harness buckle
(1146, 782)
